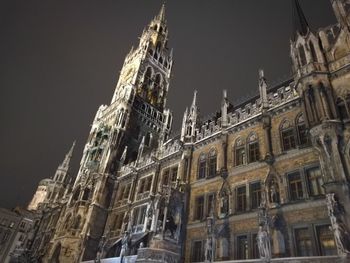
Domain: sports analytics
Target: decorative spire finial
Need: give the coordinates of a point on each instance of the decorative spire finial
(300, 23)
(68, 157)
(263, 89)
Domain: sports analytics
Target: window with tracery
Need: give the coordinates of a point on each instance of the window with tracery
(287, 136)
(240, 154)
(253, 148)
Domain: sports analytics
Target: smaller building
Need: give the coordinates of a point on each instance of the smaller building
(16, 233)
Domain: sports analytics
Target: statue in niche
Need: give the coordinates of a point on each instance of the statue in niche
(170, 225)
(125, 246)
(274, 192)
(224, 203)
(278, 243)
(209, 250)
(263, 243)
(341, 235)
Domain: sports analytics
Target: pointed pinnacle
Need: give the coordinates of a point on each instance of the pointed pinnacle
(161, 15)
(300, 23)
(194, 102)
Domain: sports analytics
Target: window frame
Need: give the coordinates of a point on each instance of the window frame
(239, 198)
(286, 128)
(302, 182)
(240, 150)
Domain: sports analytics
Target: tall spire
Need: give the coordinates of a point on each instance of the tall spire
(161, 15)
(194, 102)
(300, 23)
(68, 157)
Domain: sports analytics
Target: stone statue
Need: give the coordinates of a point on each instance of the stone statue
(209, 250)
(125, 245)
(274, 195)
(341, 235)
(263, 244)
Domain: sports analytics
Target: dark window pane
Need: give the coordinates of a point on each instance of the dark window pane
(295, 186)
(199, 206)
(202, 169)
(240, 156)
(197, 251)
(303, 242)
(241, 199)
(326, 241)
(253, 152)
(303, 135)
(315, 181)
(242, 247)
(212, 166)
(288, 140)
(256, 195)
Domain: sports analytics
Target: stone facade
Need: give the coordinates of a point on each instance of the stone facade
(266, 180)
(16, 234)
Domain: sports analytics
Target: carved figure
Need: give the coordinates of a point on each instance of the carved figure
(341, 235)
(209, 250)
(125, 246)
(274, 194)
(263, 244)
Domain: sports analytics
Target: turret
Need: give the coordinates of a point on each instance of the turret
(190, 121)
(341, 10)
(61, 175)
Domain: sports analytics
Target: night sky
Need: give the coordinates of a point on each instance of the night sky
(60, 60)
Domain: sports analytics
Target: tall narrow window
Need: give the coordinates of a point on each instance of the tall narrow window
(342, 109)
(253, 148)
(302, 55)
(242, 247)
(303, 136)
(295, 186)
(126, 191)
(202, 166)
(255, 194)
(198, 251)
(241, 199)
(303, 242)
(165, 180)
(315, 181)
(174, 174)
(239, 152)
(199, 208)
(210, 204)
(313, 51)
(326, 241)
(212, 163)
(287, 136)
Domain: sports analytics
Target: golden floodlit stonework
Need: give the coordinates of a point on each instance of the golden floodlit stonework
(265, 180)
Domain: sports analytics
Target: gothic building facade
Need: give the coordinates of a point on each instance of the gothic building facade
(266, 179)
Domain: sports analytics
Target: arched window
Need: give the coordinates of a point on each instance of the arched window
(302, 55)
(125, 115)
(148, 139)
(253, 148)
(76, 194)
(343, 107)
(67, 221)
(202, 166)
(313, 52)
(240, 154)
(212, 163)
(148, 76)
(287, 136)
(303, 137)
(77, 222)
(86, 194)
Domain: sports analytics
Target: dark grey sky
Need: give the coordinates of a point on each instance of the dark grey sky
(59, 60)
